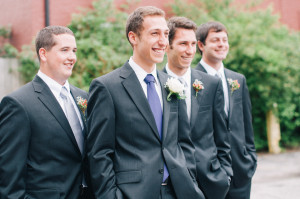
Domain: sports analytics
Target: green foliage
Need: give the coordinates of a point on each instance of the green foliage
(6, 49)
(101, 42)
(266, 53)
(29, 63)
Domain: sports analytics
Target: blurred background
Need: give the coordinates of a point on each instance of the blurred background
(264, 38)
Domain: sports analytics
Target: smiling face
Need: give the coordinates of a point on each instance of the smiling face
(149, 47)
(216, 47)
(58, 62)
(182, 50)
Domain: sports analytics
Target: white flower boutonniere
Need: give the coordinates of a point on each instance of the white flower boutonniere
(234, 84)
(82, 104)
(175, 87)
(198, 85)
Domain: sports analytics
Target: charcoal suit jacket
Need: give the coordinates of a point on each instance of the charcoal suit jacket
(239, 126)
(210, 137)
(39, 156)
(126, 155)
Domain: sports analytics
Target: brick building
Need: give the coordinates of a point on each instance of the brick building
(27, 17)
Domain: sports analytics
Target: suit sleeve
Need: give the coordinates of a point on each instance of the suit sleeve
(101, 141)
(14, 143)
(249, 136)
(221, 135)
(185, 140)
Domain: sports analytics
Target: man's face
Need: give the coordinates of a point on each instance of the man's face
(150, 46)
(60, 59)
(216, 46)
(182, 50)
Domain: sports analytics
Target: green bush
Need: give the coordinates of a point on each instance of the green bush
(6, 50)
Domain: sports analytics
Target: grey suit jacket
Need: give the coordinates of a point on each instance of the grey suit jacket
(125, 153)
(39, 156)
(209, 136)
(239, 126)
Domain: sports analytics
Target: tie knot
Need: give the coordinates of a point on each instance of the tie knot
(219, 75)
(64, 93)
(182, 81)
(149, 78)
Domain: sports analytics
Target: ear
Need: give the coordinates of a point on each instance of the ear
(43, 54)
(200, 45)
(133, 38)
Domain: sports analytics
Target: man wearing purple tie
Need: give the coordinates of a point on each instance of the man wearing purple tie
(138, 143)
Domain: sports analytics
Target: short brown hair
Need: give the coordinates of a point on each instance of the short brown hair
(204, 29)
(136, 19)
(44, 38)
(179, 22)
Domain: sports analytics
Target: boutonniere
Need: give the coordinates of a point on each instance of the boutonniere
(198, 85)
(82, 104)
(234, 84)
(175, 87)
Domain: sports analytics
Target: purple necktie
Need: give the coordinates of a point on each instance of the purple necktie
(155, 106)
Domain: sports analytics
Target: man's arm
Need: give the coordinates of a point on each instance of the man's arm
(14, 143)
(184, 138)
(221, 136)
(101, 141)
(249, 136)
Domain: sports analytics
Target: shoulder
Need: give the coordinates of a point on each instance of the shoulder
(233, 74)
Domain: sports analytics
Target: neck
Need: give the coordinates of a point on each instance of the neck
(214, 64)
(177, 70)
(148, 67)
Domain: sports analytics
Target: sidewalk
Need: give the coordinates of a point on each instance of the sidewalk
(277, 176)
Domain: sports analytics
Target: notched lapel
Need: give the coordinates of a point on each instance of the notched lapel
(195, 101)
(227, 75)
(136, 93)
(166, 104)
(45, 95)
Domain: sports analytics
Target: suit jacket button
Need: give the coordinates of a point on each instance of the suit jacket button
(161, 171)
(229, 129)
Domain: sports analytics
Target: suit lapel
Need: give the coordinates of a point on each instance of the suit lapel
(136, 93)
(200, 68)
(227, 75)
(166, 105)
(195, 101)
(45, 95)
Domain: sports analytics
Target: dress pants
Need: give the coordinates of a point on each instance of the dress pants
(239, 192)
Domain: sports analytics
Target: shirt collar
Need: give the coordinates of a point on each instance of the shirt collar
(186, 76)
(210, 70)
(52, 84)
(140, 72)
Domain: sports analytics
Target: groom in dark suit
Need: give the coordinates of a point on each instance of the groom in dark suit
(138, 141)
(213, 45)
(42, 127)
(204, 99)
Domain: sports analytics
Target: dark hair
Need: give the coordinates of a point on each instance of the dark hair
(179, 22)
(136, 19)
(204, 29)
(44, 38)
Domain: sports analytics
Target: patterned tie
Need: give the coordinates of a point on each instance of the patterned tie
(155, 106)
(72, 118)
(226, 103)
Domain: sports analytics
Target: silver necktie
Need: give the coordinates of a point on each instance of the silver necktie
(72, 118)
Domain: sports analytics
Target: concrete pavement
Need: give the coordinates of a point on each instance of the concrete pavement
(277, 176)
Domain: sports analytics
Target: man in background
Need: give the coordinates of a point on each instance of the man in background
(212, 38)
(204, 99)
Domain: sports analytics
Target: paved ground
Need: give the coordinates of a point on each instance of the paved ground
(277, 176)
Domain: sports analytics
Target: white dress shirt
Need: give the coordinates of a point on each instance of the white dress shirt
(141, 74)
(211, 71)
(56, 89)
(187, 78)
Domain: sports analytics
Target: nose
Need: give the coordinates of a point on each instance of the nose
(163, 39)
(72, 56)
(190, 49)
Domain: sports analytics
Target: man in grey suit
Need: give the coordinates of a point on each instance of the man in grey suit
(41, 127)
(138, 141)
(213, 45)
(204, 99)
